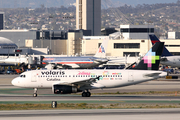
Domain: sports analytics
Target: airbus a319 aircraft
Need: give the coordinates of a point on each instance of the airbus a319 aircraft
(167, 58)
(82, 62)
(83, 80)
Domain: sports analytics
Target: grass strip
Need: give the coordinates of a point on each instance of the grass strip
(30, 106)
(15, 91)
(136, 93)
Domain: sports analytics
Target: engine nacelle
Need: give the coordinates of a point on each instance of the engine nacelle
(64, 89)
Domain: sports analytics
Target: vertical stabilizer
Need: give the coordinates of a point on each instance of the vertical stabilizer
(101, 53)
(154, 39)
(152, 58)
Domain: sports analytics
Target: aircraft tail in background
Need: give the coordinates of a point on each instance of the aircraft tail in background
(154, 39)
(101, 53)
(152, 58)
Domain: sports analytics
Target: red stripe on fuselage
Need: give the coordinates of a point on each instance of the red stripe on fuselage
(73, 62)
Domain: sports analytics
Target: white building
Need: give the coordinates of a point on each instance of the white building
(173, 35)
(136, 31)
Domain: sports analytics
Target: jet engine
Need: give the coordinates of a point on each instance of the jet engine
(65, 89)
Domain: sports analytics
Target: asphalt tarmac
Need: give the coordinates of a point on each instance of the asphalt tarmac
(100, 114)
(11, 94)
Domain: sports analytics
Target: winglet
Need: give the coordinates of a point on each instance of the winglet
(154, 39)
(152, 58)
(102, 49)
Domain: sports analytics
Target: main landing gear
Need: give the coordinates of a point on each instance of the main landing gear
(86, 94)
(35, 92)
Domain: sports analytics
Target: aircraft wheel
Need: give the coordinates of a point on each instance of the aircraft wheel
(35, 95)
(88, 94)
(84, 94)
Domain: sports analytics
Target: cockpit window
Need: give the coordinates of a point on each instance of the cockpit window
(23, 76)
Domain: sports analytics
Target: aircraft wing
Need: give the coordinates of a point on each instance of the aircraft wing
(52, 65)
(152, 74)
(69, 65)
(86, 81)
(100, 60)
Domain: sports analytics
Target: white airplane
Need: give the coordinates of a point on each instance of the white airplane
(127, 60)
(21, 60)
(14, 60)
(83, 80)
(167, 58)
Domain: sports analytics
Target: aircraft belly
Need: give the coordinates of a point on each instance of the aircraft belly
(112, 83)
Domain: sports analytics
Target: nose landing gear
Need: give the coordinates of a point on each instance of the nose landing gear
(35, 92)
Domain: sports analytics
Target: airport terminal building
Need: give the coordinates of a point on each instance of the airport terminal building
(130, 40)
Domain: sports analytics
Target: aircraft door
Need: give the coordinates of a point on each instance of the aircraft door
(34, 77)
(130, 77)
(174, 61)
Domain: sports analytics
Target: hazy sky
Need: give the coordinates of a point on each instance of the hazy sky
(58, 3)
(136, 2)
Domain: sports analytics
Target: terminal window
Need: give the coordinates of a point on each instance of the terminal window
(126, 45)
(132, 54)
(137, 30)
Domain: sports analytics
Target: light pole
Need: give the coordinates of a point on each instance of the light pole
(50, 43)
(50, 34)
(19, 42)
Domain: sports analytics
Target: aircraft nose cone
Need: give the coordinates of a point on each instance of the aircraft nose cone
(14, 82)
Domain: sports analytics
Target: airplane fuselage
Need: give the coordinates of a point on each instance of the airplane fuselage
(13, 60)
(107, 78)
(76, 62)
(173, 61)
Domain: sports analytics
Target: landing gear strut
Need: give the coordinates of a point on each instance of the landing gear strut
(86, 94)
(35, 92)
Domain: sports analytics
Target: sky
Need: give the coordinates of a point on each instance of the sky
(136, 2)
(59, 3)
